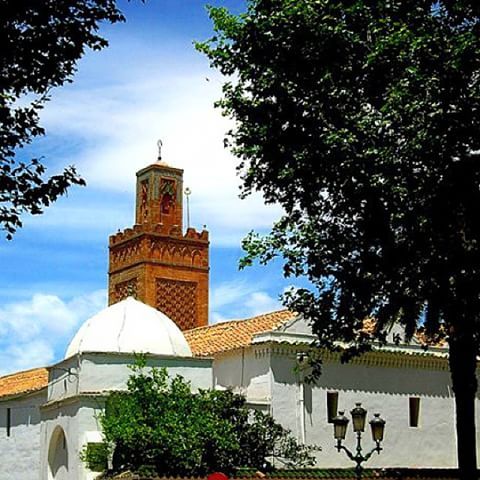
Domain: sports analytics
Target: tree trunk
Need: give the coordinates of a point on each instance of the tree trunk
(463, 362)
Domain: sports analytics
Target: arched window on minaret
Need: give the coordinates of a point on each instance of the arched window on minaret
(168, 192)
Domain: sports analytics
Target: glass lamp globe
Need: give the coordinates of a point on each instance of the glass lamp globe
(340, 423)
(359, 414)
(377, 425)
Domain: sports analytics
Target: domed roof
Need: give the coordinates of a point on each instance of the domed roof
(130, 326)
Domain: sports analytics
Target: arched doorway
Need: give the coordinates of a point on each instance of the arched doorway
(58, 455)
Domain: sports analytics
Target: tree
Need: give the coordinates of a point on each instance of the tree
(361, 118)
(41, 44)
(159, 427)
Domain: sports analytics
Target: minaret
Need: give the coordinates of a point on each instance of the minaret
(155, 260)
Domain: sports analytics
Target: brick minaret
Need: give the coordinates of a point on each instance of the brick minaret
(155, 261)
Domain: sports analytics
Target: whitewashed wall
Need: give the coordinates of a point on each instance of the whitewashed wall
(106, 371)
(20, 451)
(381, 388)
(78, 420)
(245, 373)
(98, 372)
(63, 379)
(76, 394)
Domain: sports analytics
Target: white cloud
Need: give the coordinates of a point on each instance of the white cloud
(34, 332)
(23, 356)
(87, 216)
(228, 293)
(261, 302)
(237, 300)
(119, 124)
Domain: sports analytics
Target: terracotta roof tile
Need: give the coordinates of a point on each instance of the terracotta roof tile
(23, 382)
(437, 340)
(211, 339)
(221, 337)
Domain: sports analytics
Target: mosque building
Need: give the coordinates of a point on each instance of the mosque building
(158, 305)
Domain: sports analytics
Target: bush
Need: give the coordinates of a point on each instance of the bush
(159, 425)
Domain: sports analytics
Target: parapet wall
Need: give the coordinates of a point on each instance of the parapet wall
(159, 229)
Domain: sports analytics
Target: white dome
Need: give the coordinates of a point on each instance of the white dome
(130, 326)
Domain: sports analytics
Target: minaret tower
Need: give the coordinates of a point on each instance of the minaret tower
(155, 260)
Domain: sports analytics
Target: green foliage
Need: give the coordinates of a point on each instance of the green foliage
(41, 44)
(95, 456)
(362, 120)
(160, 427)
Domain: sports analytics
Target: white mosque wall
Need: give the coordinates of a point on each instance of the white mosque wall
(382, 389)
(99, 372)
(76, 395)
(266, 374)
(67, 427)
(60, 449)
(107, 371)
(20, 443)
(245, 373)
(298, 326)
(63, 379)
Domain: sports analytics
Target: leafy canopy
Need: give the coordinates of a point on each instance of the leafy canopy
(158, 426)
(361, 118)
(41, 44)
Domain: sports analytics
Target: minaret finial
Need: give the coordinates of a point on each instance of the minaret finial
(159, 145)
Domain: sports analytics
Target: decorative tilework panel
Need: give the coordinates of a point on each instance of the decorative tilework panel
(129, 288)
(178, 300)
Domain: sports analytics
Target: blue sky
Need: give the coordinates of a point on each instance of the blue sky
(149, 84)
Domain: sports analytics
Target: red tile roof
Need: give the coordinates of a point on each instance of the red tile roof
(220, 337)
(23, 382)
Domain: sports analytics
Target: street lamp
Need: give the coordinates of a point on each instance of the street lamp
(359, 415)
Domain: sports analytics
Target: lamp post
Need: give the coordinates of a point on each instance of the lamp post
(359, 415)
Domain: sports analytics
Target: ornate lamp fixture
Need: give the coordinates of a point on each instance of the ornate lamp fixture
(359, 415)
